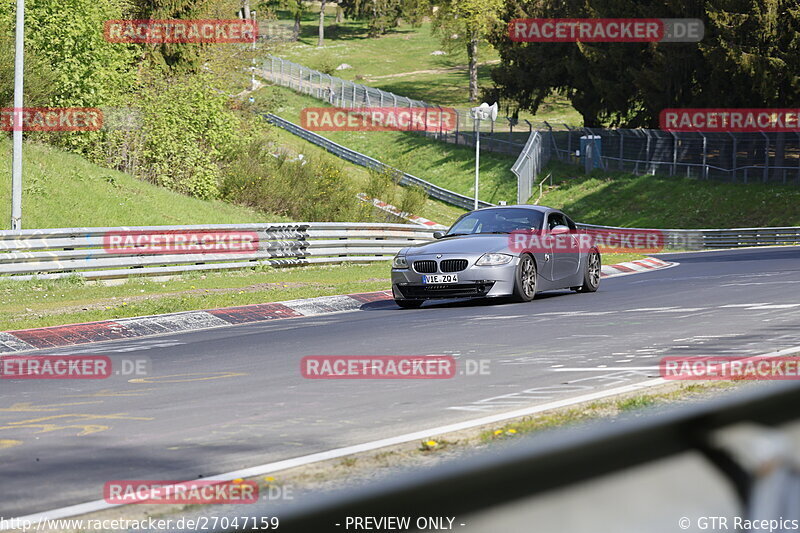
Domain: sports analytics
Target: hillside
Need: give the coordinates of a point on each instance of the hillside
(65, 190)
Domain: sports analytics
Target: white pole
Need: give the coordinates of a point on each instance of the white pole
(16, 165)
(477, 158)
(253, 51)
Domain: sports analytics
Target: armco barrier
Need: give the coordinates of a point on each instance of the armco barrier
(56, 253)
(698, 239)
(434, 191)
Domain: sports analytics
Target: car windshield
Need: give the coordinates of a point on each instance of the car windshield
(497, 221)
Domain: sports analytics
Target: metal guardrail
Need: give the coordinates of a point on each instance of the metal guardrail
(698, 239)
(434, 191)
(57, 253)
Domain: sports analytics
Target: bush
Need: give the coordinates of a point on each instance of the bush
(303, 189)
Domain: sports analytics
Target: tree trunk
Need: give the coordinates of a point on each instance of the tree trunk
(321, 40)
(339, 14)
(472, 54)
(296, 26)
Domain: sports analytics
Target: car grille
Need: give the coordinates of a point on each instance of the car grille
(425, 267)
(453, 265)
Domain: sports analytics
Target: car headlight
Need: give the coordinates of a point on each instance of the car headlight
(399, 261)
(494, 259)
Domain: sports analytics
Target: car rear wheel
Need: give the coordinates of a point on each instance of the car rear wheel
(409, 304)
(591, 274)
(525, 279)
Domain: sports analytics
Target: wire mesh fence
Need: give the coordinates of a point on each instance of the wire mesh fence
(772, 157)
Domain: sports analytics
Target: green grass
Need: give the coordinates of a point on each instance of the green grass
(616, 198)
(402, 54)
(606, 409)
(446, 165)
(39, 303)
(65, 190)
(432, 209)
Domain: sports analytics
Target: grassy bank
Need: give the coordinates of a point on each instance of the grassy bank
(65, 190)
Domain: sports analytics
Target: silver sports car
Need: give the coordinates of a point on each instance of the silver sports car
(513, 251)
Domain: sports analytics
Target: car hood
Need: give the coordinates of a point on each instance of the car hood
(466, 244)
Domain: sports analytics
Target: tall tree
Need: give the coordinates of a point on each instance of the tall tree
(296, 9)
(381, 15)
(467, 23)
(321, 39)
(749, 57)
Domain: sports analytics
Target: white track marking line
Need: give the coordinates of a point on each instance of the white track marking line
(776, 306)
(742, 305)
(269, 468)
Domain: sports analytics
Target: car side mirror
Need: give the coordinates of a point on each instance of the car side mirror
(438, 234)
(559, 230)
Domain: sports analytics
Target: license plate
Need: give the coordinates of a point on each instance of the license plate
(440, 278)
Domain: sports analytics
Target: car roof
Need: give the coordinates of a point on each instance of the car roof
(540, 208)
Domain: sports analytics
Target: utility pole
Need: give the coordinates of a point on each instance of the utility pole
(16, 165)
(482, 112)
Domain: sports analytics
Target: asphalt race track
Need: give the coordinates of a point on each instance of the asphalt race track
(228, 398)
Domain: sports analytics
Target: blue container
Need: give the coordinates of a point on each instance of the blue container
(597, 149)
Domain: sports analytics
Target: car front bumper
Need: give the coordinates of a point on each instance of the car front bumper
(473, 282)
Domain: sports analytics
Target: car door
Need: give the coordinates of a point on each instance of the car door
(565, 250)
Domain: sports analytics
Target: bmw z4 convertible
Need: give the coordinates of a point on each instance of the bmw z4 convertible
(508, 251)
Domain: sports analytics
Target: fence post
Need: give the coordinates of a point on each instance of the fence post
(621, 152)
(674, 154)
(798, 159)
(705, 156)
(458, 121)
(765, 177)
(734, 157)
(569, 143)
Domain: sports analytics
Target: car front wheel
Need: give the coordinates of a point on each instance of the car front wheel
(525, 279)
